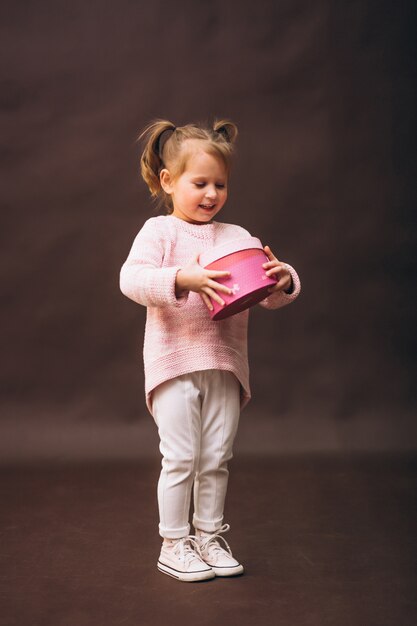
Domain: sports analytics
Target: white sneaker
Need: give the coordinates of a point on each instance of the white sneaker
(182, 560)
(220, 560)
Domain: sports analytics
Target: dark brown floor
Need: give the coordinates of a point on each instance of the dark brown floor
(325, 541)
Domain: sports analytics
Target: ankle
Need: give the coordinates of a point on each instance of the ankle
(169, 543)
(200, 534)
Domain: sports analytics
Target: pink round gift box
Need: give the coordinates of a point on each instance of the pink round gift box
(243, 258)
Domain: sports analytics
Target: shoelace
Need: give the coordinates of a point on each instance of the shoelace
(188, 548)
(212, 542)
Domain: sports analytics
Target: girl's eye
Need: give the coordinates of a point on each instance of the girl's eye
(200, 185)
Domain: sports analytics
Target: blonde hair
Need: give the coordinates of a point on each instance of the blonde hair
(163, 149)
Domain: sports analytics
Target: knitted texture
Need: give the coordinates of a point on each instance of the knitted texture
(180, 337)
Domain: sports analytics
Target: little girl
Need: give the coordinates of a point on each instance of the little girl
(196, 369)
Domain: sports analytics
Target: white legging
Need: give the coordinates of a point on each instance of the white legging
(197, 416)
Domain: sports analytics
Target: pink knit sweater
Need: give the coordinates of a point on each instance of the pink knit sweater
(180, 337)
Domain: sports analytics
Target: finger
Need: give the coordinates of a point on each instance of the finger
(269, 254)
(274, 270)
(278, 265)
(217, 274)
(271, 264)
(206, 301)
(283, 283)
(219, 287)
(213, 295)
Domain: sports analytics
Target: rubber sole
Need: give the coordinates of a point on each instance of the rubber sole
(228, 571)
(188, 577)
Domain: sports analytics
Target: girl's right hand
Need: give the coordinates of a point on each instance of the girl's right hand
(193, 277)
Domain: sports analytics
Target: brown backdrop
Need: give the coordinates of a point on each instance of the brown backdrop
(324, 95)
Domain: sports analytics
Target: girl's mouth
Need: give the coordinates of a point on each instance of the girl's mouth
(207, 207)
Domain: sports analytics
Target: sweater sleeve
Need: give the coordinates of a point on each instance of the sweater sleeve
(143, 279)
(280, 298)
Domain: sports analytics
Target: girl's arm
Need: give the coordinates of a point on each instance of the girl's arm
(288, 287)
(142, 277)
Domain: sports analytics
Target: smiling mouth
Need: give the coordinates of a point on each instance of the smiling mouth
(207, 206)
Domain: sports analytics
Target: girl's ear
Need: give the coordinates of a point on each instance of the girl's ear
(166, 180)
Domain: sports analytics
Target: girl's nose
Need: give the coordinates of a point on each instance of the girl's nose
(211, 192)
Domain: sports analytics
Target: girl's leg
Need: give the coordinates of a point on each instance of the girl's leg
(176, 408)
(219, 421)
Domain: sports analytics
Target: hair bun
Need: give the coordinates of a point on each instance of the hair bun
(227, 129)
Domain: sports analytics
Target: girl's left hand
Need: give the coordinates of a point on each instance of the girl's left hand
(278, 269)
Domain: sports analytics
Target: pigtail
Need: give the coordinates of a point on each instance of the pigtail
(151, 161)
(227, 129)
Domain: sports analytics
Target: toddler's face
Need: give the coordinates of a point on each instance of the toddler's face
(201, 190)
